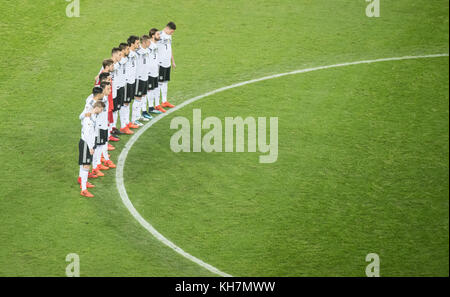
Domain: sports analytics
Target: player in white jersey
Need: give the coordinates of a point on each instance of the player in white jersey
(87, 142)
(108, 68)
(124, 111)
(153, 86)
(152, 68)
(102, 137)
(166, 61)
(141, 79)
(133, 44)
(120, 83)
(116, 55)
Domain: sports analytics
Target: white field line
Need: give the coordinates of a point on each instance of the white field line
(123, 155)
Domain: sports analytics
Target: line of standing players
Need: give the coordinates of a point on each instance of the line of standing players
(130, 86)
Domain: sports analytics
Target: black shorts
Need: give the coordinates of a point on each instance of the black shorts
(141, 88)
(152, 83)
(164, 74)
(102, 137)
(129, 94)
(118, 101)
(85, 157)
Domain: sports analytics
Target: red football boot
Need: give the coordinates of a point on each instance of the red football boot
(86, 193)
(110, 164)
(167, 104)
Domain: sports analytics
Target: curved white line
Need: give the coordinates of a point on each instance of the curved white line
(123, 156)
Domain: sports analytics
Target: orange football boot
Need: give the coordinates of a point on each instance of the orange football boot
(127, 131)
(159, 107)
(86, 193)
(97, 172)
(167, 104)
(110, 164)
(132, 126)
(102, 167)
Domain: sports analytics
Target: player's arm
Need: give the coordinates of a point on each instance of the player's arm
(98, 75)
(173, 61)
(86, 112)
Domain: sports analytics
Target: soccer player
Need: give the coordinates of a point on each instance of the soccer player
(133, 44)
(142, 61)
(104, 76)
(123, 84)
(101, 152)
(120, 85)
(116, 56)
(86, 146)
(108, 67)
(166, 60)
(153, 93)
(145, 116)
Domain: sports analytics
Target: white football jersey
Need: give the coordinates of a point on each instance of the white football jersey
(143, 60)
(154, 65)
(114, 79)
(131, 68)
(121, 74)
(165, 50)
(88, 131)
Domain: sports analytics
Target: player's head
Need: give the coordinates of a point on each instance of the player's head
(104, 76)
(97, 92)
(106, 86)
(154, 34)
(170, 28)
(116, 54)
(98, 107)
(145, 41)
(133, 42)
(124, 48)
(108, 65)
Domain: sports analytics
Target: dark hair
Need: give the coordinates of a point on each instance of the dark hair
(103, 84)
(152, 32)
(97, 91)
(99, 104)
(103, 75)
(123, 46)
(132, 39)
(144, 38)
(107, 62)
(115, 50)
(172, 25)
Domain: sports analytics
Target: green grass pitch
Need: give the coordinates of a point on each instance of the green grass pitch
(363, 150)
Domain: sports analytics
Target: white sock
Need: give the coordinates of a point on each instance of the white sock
(100, 153)
(164, 88)
(81, 171)
(115, 116)
(84, 178)
(144, 103)
(96, 158)
(151, 99)
(105, 151)
(136, 114)
(123, 117)
(157, 95)
(127, 114)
